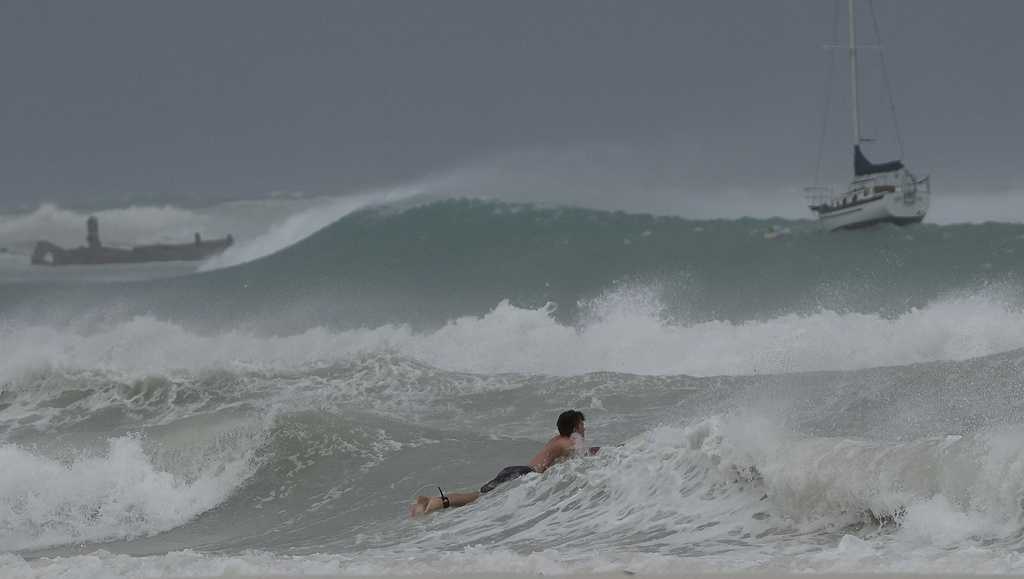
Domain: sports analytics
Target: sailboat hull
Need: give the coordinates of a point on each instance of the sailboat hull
(894, 208)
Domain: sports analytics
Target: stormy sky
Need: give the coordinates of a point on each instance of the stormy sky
(192, 102)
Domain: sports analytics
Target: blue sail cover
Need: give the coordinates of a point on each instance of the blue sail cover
(861, 165)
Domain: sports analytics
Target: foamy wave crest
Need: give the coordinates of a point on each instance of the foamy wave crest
(853, 555)
(472, 562)
(119, 494)
(674, 487)
(301, 225)
(626, 332)
(937, 490)
(623, 333)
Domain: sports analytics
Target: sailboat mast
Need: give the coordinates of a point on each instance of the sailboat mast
(853, 77)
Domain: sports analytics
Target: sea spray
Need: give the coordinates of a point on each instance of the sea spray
(116, 495)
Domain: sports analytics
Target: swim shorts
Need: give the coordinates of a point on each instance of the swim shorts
(508, 473)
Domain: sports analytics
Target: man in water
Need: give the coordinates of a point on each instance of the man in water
(569, 442)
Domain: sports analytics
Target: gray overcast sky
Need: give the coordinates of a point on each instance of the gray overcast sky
(198, 101)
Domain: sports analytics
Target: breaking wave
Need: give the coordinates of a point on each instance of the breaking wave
(624, 331)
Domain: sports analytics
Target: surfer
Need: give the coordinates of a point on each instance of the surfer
(568, 442)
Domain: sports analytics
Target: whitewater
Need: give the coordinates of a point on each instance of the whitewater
(769, 397)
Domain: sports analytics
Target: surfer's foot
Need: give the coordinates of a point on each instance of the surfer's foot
(419, 507)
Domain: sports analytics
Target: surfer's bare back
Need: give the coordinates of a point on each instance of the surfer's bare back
(568, 442)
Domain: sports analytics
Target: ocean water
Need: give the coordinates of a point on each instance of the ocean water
(769, 396)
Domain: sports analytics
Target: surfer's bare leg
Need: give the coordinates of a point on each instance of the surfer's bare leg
(427, 505)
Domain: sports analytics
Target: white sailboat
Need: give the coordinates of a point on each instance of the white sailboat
(879, 193)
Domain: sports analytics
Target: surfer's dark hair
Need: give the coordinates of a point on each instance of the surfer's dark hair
(568, 420)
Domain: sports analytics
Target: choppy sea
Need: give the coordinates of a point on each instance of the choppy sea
(770, 396)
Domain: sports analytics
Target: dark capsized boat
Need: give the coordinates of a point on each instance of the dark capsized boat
(95, 253)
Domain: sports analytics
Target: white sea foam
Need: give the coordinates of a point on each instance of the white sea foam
(117, 494)
(624, 333)
(482, 561)
(739, 493)
(940, 491)
(703, 488)
(470, 562)
(690, 496)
